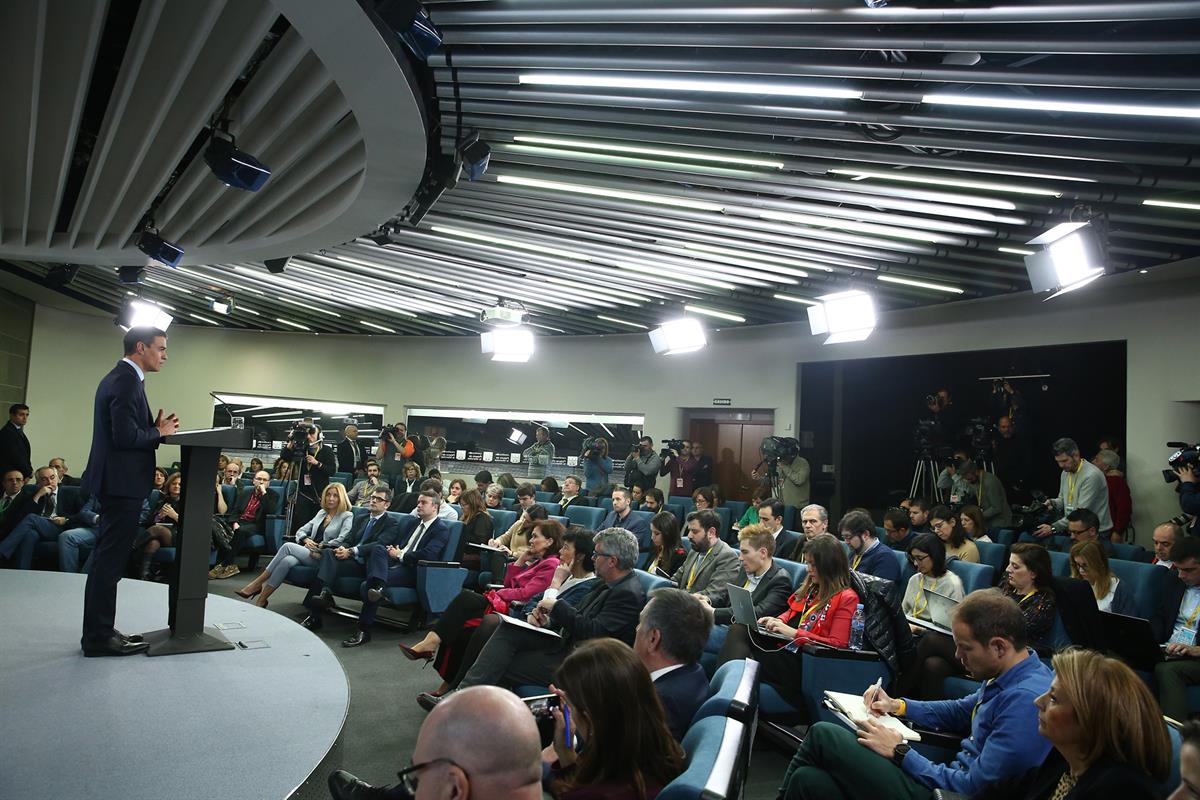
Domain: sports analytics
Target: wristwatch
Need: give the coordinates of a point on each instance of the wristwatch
(900, 752)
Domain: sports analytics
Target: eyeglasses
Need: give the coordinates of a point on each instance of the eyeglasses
(918, 559)
(1081, 567)
(597, 554)
(408, 776)
(378, 499)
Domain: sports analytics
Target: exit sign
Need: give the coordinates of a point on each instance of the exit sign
(722, 401)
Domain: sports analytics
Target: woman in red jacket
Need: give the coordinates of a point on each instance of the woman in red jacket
(819, 611)
(527, 577)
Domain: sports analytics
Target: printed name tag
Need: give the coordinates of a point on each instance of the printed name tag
(1183, 635)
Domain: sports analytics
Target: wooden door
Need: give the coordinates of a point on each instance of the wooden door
(734, 450)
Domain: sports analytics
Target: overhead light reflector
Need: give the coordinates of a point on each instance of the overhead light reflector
(846, 316)
(1071, 257)
(507, 344)
(517, 438)
(140, 314)
(678, 336)
(1172, 204)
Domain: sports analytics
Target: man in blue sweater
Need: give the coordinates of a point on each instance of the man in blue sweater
(867, 553)
(998, 723)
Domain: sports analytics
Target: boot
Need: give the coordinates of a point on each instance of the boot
(144, 569)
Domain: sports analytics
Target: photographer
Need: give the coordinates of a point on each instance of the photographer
(316, 463)
(677, 462)
(1189, 494)
(1082, 485)
(597, 466)
(988, 492)
(393, 451)
(791, 470)
(540, 454)
(642, 465)
(945, 415)
(1010, 455)
(949, 480)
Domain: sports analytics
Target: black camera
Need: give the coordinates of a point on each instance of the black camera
(1186, 455)
(590, 447)
(390, 430)
(671, 444)
(298, 435)
(777, 447)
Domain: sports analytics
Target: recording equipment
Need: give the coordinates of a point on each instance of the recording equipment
(590, 447)
(1186, 455)
(298, 435)
(671, 445)
(775, 448)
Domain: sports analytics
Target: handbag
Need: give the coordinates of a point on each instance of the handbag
(498, 603)
(222, 534)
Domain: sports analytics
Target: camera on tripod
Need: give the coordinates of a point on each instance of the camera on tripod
(298, 435)
(775, 448)
(669, 445)
(1186, 455)
(982, 433)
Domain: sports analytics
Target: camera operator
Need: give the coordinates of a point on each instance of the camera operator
(1189, 493)
(540, 454)
(791, 470)
(945, 414)
(950, 480)
(597, 466)
(1082, 485)
(1010, 455)
(393, 451)
(677, 462)
(316, 463)
(642, 465)
(973, 486)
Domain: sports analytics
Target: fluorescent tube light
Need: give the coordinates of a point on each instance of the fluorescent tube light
(939, 181)
(608, 81)
(1172, 204)
(376, 327)
(1064, 106)
(293, 324)
(792, 299)
(204, 319)
(500, 240)
(641, 197)
(685, 153)
(708, 312)
(623, 322)
(678, 336)
(937, 287)
(1015, 251)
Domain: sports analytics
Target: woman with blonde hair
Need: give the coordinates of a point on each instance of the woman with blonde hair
(1089, 563)
(333, 520)
(1108, 733)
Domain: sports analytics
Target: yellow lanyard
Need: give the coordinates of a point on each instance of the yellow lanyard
(1191, 621)
(809, 611)
(857, 560)
(1071, 483)
(917, 607)
(696, 565)
(1021, 602)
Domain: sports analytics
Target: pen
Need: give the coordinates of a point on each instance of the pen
(568, 739)
(875, 695)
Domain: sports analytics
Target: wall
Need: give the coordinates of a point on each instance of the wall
(16, 325)
(755, 366)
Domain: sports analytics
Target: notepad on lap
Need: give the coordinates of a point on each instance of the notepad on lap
(520, 623)
(852, 706)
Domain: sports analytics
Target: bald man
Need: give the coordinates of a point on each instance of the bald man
(458, 755)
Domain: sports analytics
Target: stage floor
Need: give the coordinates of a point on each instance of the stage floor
(243, 723)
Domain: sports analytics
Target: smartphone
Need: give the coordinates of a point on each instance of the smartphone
(541, 705)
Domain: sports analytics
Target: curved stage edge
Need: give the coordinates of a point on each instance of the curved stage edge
(242, 723)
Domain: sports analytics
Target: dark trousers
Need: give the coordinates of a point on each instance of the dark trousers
(778, 667)
(227, 554)
(329, 569)
(935, 661)
(382, 572)
(831, 764)
(118, 527)
(1173, 679)
(305, 509)
(456, 635)
(513, 657)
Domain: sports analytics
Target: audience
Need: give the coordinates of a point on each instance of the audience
(15, 451)
(30, 517)
(1030, 584)
(549, 484)
(704, 499)
(670, 640)
(493, 495)
(814, 519)
(1081, 485)
(344, 554)
(360, 495)
(458, 754)
(654, 501)
(1189, 764)
(247, 518)
(1165, 537)
(81, 530)
(991, 499)
(949, 529)
(867, 554)
(483, 479)
(973, 525)
(59, 465)
(516, 538)
(928, 557)
(233, 472)
(350, 454)
(597, 467)
(569, 496)
(770, 515)
(712, 564)
(530, 575)
(445, 511)
(160, 478)
(1089, 563)
(1175, 625)
(820, 611)
(1120, 502)
(576, 573)
(511, 655)
(760, 493)
(1081, 527)
(666, 551)
(918, 515)
(622, 516)
(330, 523)
(998, 723)
(396, 565)
(1108, 735)
(477, 529)
(625, 749)
(770, 585)
(458, 487)
(505, 481)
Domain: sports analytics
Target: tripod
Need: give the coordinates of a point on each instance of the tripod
(925, 475)
(290, 498)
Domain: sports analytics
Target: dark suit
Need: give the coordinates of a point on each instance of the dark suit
(14, 450)
(513, 656)
(383, 571)
(682, 692)
(385, 531)
(346, 459)
(785, 544)
(579, 501)
(1163, 622)
(770, 596)
(120, 471)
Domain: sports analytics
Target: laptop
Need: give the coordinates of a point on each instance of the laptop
(1132, 639)
(941, 611)
(742, 603)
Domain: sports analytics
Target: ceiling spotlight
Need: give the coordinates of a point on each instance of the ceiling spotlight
(131, 275)
(61, 275)
(410, 21)
(507, 344)
(846, 316)
(159, 249)
(233, 167)
(1072, 256)
(276, 266)
(140, 314)
(517, 438)
(222, 305)
(678, 336)
(475, 155)
(505, 314)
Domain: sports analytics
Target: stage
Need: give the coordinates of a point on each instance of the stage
(262, 722)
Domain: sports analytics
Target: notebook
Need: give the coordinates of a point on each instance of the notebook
(851, 706)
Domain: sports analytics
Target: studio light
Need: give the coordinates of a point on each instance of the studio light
(475, 155)
(678, 336)
(233, 167)
(507, 344)
(61, 275)
(846, 316)
(516, 437)
(1072, 256)
(140, 314)
(410, 21)
(222, 305)
(159, 249)
(276, 266)
(131, 276)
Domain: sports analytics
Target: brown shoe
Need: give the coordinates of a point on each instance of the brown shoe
(214, 573)
(228, 571)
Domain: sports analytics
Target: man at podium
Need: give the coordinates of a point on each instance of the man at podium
(120, 472)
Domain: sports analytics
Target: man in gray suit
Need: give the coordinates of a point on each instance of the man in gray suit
(712, 564)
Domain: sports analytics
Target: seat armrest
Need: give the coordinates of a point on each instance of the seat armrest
(845, 653)
(439, 564)
(438, 583)
(495, 586)
(941, 739)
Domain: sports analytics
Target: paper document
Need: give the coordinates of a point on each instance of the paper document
(852, 706)
(507, 620)
(486, 547)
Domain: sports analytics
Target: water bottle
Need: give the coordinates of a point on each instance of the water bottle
(858, 624)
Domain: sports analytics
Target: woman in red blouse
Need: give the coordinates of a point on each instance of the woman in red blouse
(819, 611)
(525, 578)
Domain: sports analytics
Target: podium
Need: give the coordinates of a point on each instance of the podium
(189, 585)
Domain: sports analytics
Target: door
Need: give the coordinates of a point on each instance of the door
(734, 447)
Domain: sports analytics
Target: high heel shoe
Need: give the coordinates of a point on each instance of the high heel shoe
(256, 593)
(415, 655)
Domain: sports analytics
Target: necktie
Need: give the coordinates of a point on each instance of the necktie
(415, 541)
(367, 530)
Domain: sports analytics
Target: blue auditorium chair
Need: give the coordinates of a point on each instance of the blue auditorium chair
(1130, 552)
(737, 508)
(973, 576)
(1145, 584)
(552, 509)
(1060, 564)
(543, 497)
(585, 516)
(995, 556)
(686, 503)
(734, 693)
(716, 753)
(511, 494)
